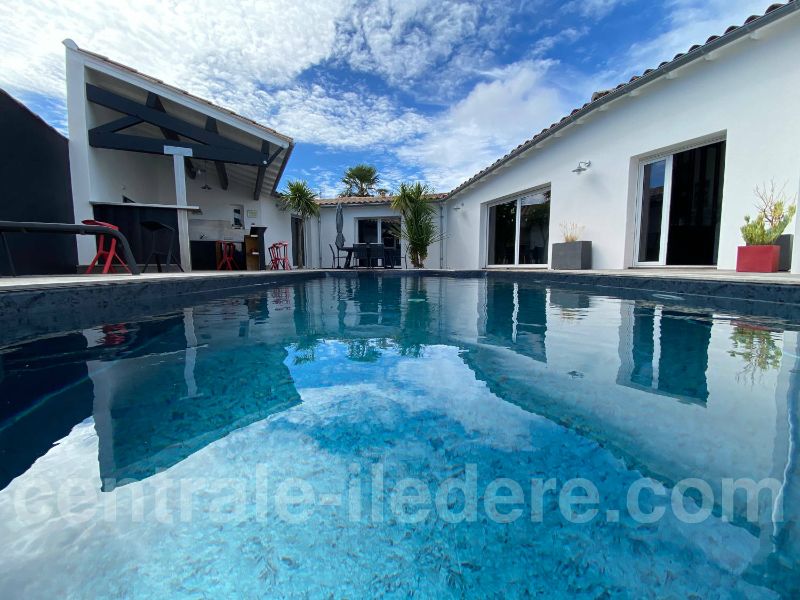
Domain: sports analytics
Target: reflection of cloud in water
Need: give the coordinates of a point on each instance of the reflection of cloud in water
(439, 383)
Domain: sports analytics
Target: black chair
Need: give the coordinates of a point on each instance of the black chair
(377, 253)
(335, 258)
(361, 252)
(390, 257)
(162, 239)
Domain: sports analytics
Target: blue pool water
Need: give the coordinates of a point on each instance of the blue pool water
(393, 437)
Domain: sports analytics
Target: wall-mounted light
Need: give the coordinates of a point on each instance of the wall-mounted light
(582, 166)
(458, 206)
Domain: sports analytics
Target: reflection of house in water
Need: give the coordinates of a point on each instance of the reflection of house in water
(515, 316)
(176, 396)
(658, 386)
(664, 351)
(32, 417)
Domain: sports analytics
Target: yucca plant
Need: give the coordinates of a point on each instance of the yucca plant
(418, 227)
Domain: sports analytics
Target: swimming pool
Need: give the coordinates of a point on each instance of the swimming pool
(397, 436)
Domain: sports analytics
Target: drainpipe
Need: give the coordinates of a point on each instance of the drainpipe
(319, 240)
(441, 235)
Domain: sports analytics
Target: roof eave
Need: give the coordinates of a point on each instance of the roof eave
(641, 81)
(182, 97)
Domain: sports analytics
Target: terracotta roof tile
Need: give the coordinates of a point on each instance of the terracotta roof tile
(366, 200)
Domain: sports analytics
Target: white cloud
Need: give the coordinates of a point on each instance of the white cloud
(592, 9)
(568, 36)
(690, 22)
(215, 51)
(250, 58)
(497, 115)
(347, 119)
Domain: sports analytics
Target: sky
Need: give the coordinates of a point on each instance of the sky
(425, 90)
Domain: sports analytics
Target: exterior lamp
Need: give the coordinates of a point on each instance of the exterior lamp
(582, 166)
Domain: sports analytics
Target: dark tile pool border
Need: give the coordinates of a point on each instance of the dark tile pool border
(27, 312)
(39, 310)
(786, 293)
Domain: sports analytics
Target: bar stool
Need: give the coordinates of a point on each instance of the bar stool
(278, 253)
(110, 253)
(226, 250)
(155, 228)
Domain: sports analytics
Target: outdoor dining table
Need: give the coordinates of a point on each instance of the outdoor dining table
(351, 250)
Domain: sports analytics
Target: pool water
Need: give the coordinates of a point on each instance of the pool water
(394, 437)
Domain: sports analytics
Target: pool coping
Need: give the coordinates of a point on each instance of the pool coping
(70, 305)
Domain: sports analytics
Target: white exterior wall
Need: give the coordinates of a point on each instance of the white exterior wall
(322, 232)
(746, 93)
(102, 175)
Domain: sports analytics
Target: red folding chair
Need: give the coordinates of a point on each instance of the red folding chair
(226, 250)
(109, 253)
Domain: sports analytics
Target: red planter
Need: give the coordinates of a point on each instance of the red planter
(758, 259)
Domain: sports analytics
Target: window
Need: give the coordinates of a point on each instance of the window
(534, 229)
(367, 231)
(237, 222)
(519, 230)
(679, 207)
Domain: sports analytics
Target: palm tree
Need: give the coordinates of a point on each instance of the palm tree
(301, 199)
(360, 180)
(417, 226)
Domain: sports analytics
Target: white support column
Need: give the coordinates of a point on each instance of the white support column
(178, 155)
(796, 244)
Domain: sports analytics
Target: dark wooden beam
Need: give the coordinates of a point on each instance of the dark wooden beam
(153, 101)
(118, 124)
(133, 143)
(159, 118)
(222, 173)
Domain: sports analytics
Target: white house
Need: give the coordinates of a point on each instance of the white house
(366, 220)
(660, 170)
(144, 150)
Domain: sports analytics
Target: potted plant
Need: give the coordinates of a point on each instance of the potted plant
(762, 254)
(418, 228)
(572, 253)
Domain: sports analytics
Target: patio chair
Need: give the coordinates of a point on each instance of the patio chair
(376, 253)
(335, 264)
(361, 252)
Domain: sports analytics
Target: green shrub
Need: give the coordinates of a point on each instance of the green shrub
(774, 215)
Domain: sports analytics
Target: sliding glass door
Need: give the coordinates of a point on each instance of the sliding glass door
(502, 223)
(381, 230)
(679, 207)
(653, 211)
(519, 230)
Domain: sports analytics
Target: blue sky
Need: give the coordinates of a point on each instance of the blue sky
(430, 90)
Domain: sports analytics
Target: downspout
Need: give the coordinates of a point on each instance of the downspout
(441, 235)
(319, 239)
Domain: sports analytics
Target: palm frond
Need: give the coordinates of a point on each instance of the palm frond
(300, 198)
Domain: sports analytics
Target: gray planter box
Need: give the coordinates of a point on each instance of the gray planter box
(785, 242)
(572, 256)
